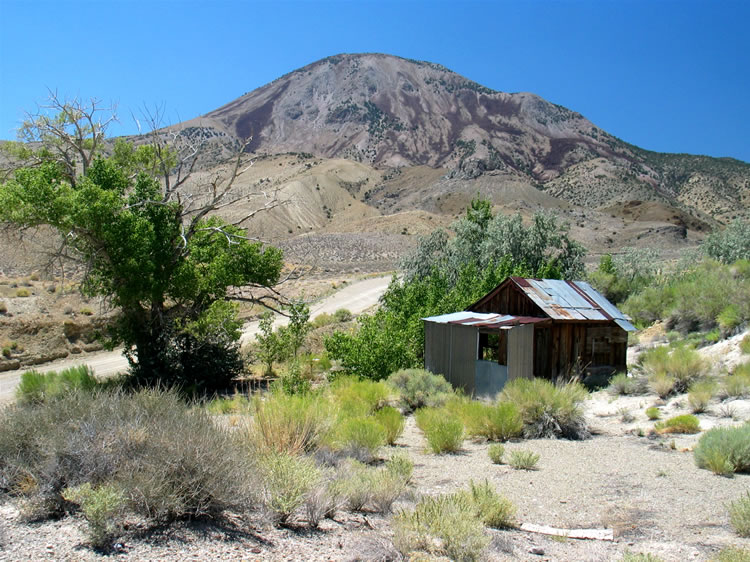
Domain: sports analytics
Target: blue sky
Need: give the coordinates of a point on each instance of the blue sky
(666, 75)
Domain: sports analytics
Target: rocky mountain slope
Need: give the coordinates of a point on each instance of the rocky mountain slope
(388, 112)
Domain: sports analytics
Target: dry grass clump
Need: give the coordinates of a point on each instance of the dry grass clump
(653, 413)
(496, 452)
(36, 387)
(495, 422)
(443, 430)
(523, 460)
(745, 344)
(452, 525)
(290, 423)
(392, 422)
(700, 394)
(737, 385)
(286, 480)
(548, 410)
(672, 369)
(623, 384)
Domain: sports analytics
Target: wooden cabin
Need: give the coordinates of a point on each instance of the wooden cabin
(545, 328)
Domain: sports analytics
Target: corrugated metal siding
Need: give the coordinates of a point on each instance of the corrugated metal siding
(464, 341)
(521, 352)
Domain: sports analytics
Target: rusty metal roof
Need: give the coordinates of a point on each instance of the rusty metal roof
(571, 300)
(484, 320)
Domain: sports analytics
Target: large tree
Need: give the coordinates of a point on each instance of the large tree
(148, 237)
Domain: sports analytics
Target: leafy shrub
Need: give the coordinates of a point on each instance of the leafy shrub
(548, 410)
(686, 423)
(700, 394)
(739, 515)
(523, 460)
(37, 387)
(724, 450)
(323, 319)
(653, 413)
(342, 315)
(23, 293)
(101, 507)
(444, 525)
(497, 422)
(443, 430)
(392, 422)
(623, 384)
(492, 509)
(293, 381)
(286, 481)
(360, 438)
(496, 452)
(730, 244)
(135, 442)
(290, 423)
(679, 366)
(419, 388)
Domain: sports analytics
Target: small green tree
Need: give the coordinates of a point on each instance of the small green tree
(269, 346)
(148, 239)
(293, 335)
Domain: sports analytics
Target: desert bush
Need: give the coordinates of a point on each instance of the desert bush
(442, 429)
(739, 515)
(355, 484)
(392, 422)
(290, 423)
(3, 307)
(101, 507)
(322, 500)
(387, 487)
(419, 388)
(737, 385)
(496, 452)
(23, 293)
(700, 394)
(286, 480)
(444, 525)
(523, 460)
(323, 319)
(400, 465)
(359, 438)
(342, 315)
(548, 410)
(639, 557)
(135, 442)
(492, 509)
(37, 387)
(745, 344)
(685, 365)
(661, 384)
(653, 413)
(686, 423)
(359, 397)
(732, 554)
(623, 384)
(724, 450)
(496, 422)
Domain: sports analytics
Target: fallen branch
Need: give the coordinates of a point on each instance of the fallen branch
(596, 534)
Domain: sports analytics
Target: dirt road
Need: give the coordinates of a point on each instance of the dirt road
(357, 297)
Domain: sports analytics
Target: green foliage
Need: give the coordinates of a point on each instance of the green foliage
(444, 275)
(38, 387)
(292, 381)
(442, 429)
(686, 423)
(672, 369)
(133, 442)
(739, 515)
(441, 526)
(523, 460)
(286, 480)
(268, 343)
(492, 509)
(167, 268)
(724, 450)
(639, 557)
(548, 410)
(730, 244)
(419, 388)
(400, 465)
(359, 397)
(496, 422)
(237, 404)
(392, 422)
(737, 385)
(662, 384)
(342, 315)
(293, 334)
(290, 423)
(101, 507)
(625, 274)
(653, 413)
(496, 452)
(22, 293)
